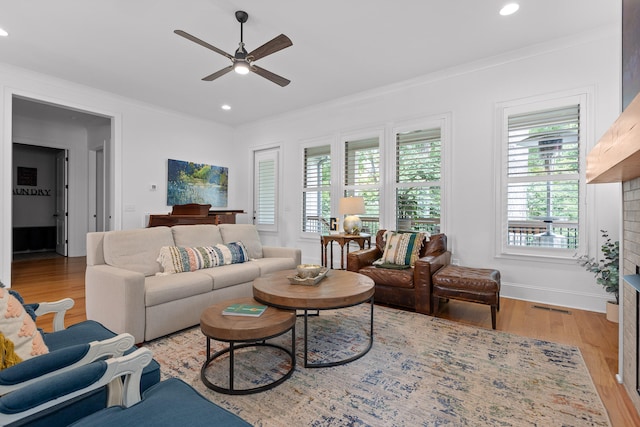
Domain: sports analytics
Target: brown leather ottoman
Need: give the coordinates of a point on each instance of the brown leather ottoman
(480, 285)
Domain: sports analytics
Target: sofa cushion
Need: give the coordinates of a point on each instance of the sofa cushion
(389, 277)
(196, 235)
(271, 265)
(402, 248)
(234, 274)
(176, 259)
(245, 233)
(136, 250)
(21, 339)
(161, 289)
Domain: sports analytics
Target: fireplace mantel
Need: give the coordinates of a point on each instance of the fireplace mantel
(616, 156)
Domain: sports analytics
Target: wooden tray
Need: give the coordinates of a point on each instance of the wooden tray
(310, 281)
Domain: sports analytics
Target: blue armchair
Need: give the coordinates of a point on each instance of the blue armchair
(168, 403)
(70, 348)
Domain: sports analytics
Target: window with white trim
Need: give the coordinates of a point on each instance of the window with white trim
(316, 189)
(542, 176)
(265, 189)
(417, 184)
(362, 178)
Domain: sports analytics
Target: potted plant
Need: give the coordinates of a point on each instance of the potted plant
(607, 272)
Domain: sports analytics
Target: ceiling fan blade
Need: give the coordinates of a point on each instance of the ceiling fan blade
(202, 43)
(218, 74)
(270, 76)
(272, 46)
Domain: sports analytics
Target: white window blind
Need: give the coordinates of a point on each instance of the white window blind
(362, 178)
(265, 189)
(543, 178)
(418, 175)
(316, 191)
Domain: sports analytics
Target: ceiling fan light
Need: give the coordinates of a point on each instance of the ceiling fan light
(509, 9)
(241, 67)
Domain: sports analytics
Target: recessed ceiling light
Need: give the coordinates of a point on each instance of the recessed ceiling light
(509, 9)
(226, 107)
(3, 33)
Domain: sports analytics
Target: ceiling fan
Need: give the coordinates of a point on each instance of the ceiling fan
(243, 62)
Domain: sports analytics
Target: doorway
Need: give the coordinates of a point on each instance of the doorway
(73, 138)
(39, 207)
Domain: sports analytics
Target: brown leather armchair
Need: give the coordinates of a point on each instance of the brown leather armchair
(408, 288)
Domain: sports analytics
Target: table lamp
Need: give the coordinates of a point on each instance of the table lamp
(351, 207)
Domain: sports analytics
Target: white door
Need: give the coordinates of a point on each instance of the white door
(62, 187)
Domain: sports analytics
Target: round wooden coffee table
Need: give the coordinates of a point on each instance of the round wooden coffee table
(339, 289)
(245, 331)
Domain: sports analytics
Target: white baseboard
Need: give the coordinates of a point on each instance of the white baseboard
(580, 300)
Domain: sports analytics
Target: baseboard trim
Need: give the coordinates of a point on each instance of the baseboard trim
(579, 300)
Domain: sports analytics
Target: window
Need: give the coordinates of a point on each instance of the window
(316, 189)
(543, 184)
(362, 178)
(265, 189)
(417, 184)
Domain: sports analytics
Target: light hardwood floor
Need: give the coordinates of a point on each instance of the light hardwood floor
(597, 338)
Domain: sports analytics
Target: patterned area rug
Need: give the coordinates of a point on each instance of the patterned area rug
(421, 371)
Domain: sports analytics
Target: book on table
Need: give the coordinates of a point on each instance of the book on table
(252, 310)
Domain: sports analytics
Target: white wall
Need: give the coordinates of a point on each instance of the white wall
(143, 138)
(469, 94)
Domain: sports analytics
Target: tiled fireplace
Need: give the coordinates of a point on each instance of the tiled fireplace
(630, 296)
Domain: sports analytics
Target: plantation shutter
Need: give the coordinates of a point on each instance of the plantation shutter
(543, 176)
(362, 162)
(316, 192)
(418, 175)
(265, 189)
(362, 178)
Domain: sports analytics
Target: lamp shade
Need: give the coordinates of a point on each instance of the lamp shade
(351, 206)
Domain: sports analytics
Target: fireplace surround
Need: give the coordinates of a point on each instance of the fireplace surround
(630, 345)
(616, 158)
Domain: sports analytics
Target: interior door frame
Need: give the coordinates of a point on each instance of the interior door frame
(76, 101)
(98, 203)
(62, 202)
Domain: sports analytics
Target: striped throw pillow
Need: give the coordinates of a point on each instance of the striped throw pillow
(402, 248)
(177, 259)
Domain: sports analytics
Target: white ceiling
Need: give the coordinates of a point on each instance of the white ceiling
(339, 47)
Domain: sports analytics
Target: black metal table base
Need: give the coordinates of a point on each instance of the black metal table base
(233, 345)
(308, 364)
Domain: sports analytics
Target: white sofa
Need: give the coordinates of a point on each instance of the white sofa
(125, 293)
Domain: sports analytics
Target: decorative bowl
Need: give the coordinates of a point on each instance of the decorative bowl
(309, 281)
(306, 271)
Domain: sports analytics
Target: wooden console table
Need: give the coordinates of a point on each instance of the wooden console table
(342, 239)
(212, 217)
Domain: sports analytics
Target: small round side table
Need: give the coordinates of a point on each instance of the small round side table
(245, 331)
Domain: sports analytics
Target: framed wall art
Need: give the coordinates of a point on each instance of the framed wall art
(189, 182)
(27, 176)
